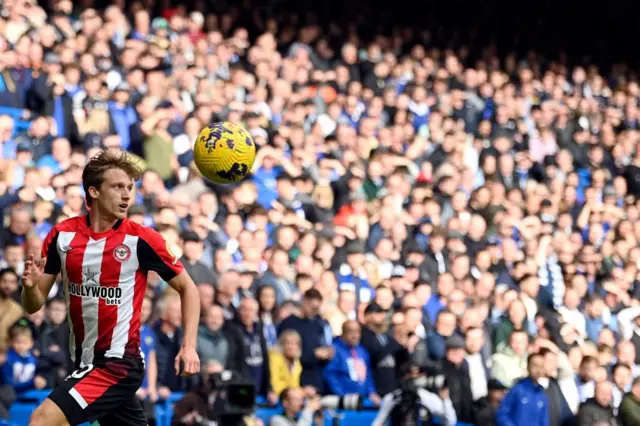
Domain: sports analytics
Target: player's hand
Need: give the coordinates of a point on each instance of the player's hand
(39, 382)
(32, 271)
(190, 361)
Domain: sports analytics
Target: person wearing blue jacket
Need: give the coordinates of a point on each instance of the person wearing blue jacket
(19, 369)
(526, 402)
(349, 372)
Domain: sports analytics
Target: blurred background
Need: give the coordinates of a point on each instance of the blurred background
(451, 186)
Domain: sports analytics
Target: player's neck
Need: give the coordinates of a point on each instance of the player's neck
(100, 222)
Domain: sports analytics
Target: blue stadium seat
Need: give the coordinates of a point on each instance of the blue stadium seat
(21, 411)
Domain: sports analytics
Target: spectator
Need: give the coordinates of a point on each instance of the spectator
(510, 361)
(586, 378)
(630, 406)
(349, 372)
(598, 409)
(266, 297)
(11, 310)
(456, 372)
(148, 392)
(622, 379)
(343, 311)
(296, 412)
(19, 369)
(193, 251)
(486, 408)
(168, 342)
(54, 362)
(559, 384)
(255, 349)
(385, 353)
(478, 371)
(526, 402)
(317, 349)
(277, 277)
(436, 341)
(284, 363)
(220, 344)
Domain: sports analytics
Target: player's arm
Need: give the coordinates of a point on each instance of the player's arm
(190, 298)
(155, 255)
(39, 276)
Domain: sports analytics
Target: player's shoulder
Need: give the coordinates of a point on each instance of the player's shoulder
(72, 224)
(138, 230)
(144, 233)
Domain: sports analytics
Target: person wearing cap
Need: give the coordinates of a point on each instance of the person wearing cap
(486, 408)
(456, 370)
(193, 249)
(385, 353)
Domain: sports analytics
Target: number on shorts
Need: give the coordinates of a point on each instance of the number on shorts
(81, 372)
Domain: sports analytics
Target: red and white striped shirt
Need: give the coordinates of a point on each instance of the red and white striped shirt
(105, 278)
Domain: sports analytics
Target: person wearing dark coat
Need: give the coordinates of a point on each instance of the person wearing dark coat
(486, 408)
(386, 354)
(54, 362)
(315, 333)
(456, 372)
(599, 409)
(255, 348)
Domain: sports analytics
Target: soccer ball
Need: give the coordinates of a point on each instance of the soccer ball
(224, 152)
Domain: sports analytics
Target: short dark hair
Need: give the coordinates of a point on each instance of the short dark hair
(532, 356)
(53, 300)
(9, 270)
(619, 365)
(20, 330)
(313, 294)
(93, 173)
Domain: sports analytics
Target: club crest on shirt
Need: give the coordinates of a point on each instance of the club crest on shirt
(122, 253)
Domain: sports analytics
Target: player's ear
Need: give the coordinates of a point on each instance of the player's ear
(93, 192)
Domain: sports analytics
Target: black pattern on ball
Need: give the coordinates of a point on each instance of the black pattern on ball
(237, 171)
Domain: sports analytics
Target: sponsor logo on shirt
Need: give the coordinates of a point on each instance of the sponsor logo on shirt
(111, 295)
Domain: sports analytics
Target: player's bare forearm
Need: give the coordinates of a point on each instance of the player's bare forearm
(190, 299)
(34, 296)
(32, 299)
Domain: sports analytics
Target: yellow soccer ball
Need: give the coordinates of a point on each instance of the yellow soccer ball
(224, 152)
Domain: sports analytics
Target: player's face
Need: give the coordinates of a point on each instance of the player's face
(115, 193)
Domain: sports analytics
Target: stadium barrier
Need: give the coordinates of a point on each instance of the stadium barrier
(21, 410)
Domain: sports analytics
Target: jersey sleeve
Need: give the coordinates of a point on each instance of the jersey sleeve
(155, 255)
(50, 252)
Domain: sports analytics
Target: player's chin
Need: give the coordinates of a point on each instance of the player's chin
(121, 212)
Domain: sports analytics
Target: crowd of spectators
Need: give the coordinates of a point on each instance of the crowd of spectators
(478, 218)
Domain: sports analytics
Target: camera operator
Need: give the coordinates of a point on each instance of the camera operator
(211, 404)
(411, 405)
(296, 413)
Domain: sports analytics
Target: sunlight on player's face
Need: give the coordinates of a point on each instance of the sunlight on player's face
(116, 193)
